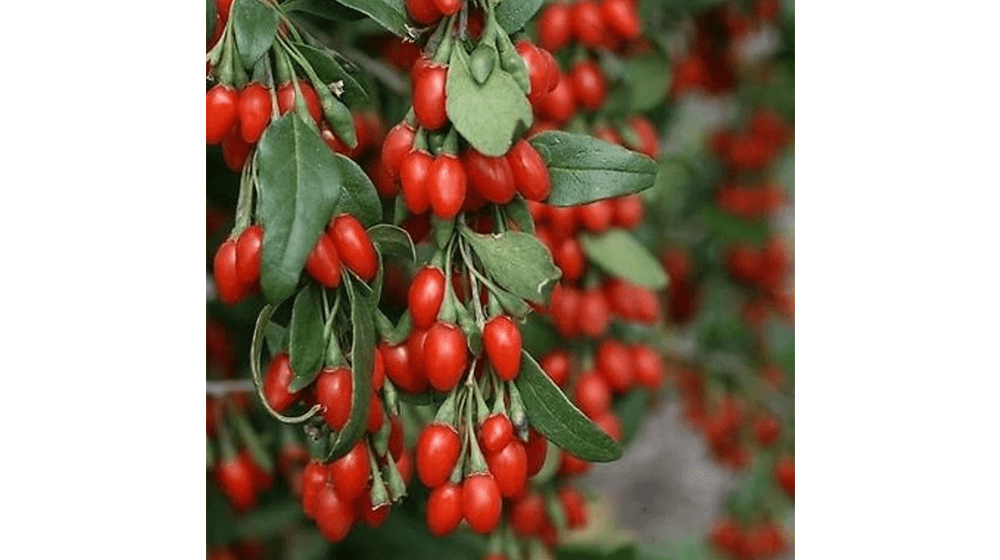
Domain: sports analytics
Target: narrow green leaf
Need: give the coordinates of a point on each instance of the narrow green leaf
(329, 70)
(390, 14)
(324, 9)
(517, 211)
(209, 18)
(558, 419)
(393, 240)
(486, 115)
(513, 14)
(631, 411)
(306, 341)
(649, 76)
(517, 261)
(251, 440)
(619, 254)
(538, 335)
(584, 169)
(269, 521)
(362, 367)
(254, 26)
(359, 197)
(300, 183)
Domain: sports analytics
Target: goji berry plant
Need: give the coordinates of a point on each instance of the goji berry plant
(460, 249)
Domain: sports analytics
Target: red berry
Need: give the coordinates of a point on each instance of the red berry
(373, 517)
(614, 364)
(597, 216)
(354, 246)
(766, 429)
(628, 211)
(592, 394)
(413, 178)
(495, 433)
(236, 479)
(593, 313)
(335, 144)
(621, 17)
(590, 89)
(314, 477)
(430, 97)
(378, 371)
(536, 449)
(563, 220)
(744, 263)
(437, 453)
(221, 112)
(350, 472)
(588, 25)
(279, 376)
(286, 99)
(609, 423)
(571, 465)
(727, 536)
(323, 263)
(446, 354)
(395, 436)
(554, 28)
(559, 105)
(444, 509)
(425, 296)
(334, 515)
(647, 367)
(538, 71)
(446, 184)
(248, 250)
(226, 275)
(425, 12)
(492, 177)
(333, 391)
(649, 140)
(415, 348)
(448, 7)
(481, 504)
(569, 257)
(509, 467)
(784, 471)
(531, 175)
(399, 368)
(255, 111)
(235, 150)
(375, 414)
(565, 311)
(398, 143)
(574, 506)
(527, 514)
(502, 341)
(556, 364)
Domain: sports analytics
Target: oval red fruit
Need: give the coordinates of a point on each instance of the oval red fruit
(221, 112)
(437, 453)
(481, 503)
(354, 246)
(502, 341)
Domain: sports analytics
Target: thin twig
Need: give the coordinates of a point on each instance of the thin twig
(228, 387)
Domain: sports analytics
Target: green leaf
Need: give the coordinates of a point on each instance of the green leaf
(619, 254)
(324, 9)
(306, 340)
(362, 367)
(254, 27)
(251, 440)
(210, 18)
(359, 198)
(269, 521)
(631, 411)
(276, 337)
(649, 76)
(558, 419)
(300, 183)
(329, 70)
(390, 14)
(725, 228)
(486, 115)
(393, 240)
(513, 14)
(584, 169)
(517, 261)
(517, 211)
(538, 335)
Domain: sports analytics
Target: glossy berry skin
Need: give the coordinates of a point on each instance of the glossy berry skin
(446, 184)
(527, 514)
(727, 536)
(423, 11)
(445, 354)
(279, 376)
(372, 517)
(323, 263)
(430, 97)
(593, 313)
(333, 391)
(609, 423)
(248, 250)
(554, 28)
(784, 472)
(536, 448)
(569, 257)
(254, 111)
(502, 341)
(397, 144)
(334, 515)
(590, 89)
(647, 367)
(649, 140)
(538, 71)
(495, 433)
(375, 414)
(592, 394)
(437, 453)
(413, 174)
(314, 478)
(571, 465)
(556, 364)
(574, 507)
(510, 468)
(766, 429)
(614, 364)
(621, 18)
(221, 112)
(531, 175)
(425, 296)
(235, 150)
(744, 263)
(350, 472)
(235, 478)
(448, 7)
(227, 283)
(560, 105)
(628, 211)
(481, 503)
(587, 23)
(492, 177)
(286, 99)
(354, 246)
(597, 216)
(444, 509)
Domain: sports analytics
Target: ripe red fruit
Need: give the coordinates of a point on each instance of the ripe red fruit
(592, 394)
(569, 257)
(423, 11)
(509, 467)
(593, 313)
(334, 515)
(331, 140)
(560, 105)
(565, 311)
(415, 347)
(235, 150)
(444, 509)
(444, 349)
(373, 517)
(609, 135)
(727, 536)
(628, 211)
(502, 341)
(235, 478)
(554, 28)
(649, 139)
(563, 220)
(574, 506)
(587, 23)
(536, 448)
(744, 262)
(590, 89)
(495, 433)
(398, 143)
(556, 364)
(430, 97)
(538, 71)
(597, 216)
(571, 465)
(766, 429)
(784, 472)
(621, 17)
(333, 391)
(614, 364)
(531, 176)
(279, 376)
(255, 111)
(399, 368)
(413, 177)
(609, 423)
(375, 414)
(314, 477)
(221, 112)
(437, 453)
(448, 7)
(527, 514)
(425, 296)
(647, 367)
(446, 184)
(323, 263)
(224, 272)
(481, 503)
(354, 246)
(378, 371)
(286, 99)
(350, 472)
(248, 250)
(492, 177)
